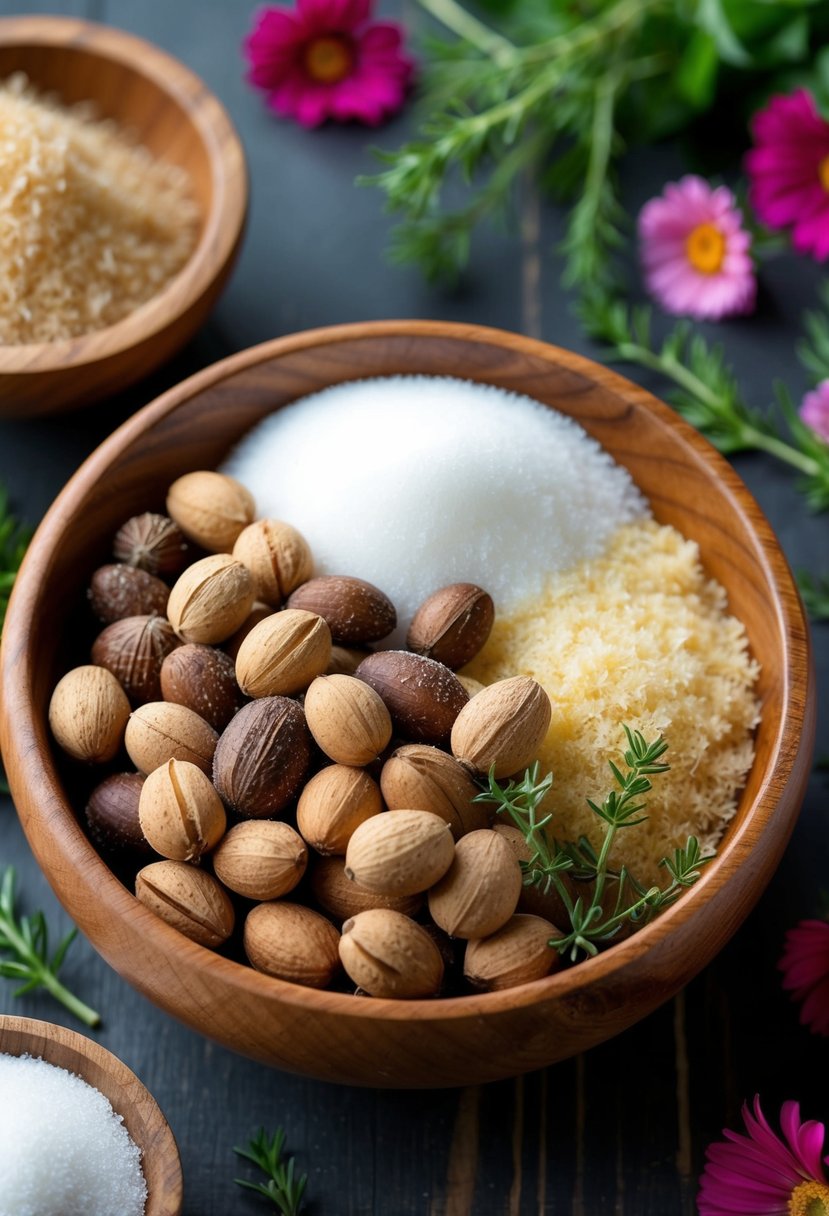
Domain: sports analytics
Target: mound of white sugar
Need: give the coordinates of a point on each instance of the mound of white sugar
(63, 1150)
(413, 482)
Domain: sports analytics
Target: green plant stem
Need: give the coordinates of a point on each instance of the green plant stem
(47, 979)
(682, 376)
(461, 22)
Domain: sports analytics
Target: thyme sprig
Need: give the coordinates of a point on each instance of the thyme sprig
(614, 897)
(706, 391)
(26, 941)
(283, 1188)
(813, 348)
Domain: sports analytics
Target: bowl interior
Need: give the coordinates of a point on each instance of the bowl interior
(142, 1117)
(445, 1041)
(120, 90)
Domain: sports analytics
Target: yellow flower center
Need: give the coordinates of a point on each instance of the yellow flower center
(705, 247)
(810, 1199)
(328, 59)
(823, 173)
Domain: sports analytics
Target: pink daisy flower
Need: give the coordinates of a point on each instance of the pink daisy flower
(814, 410)
(805, 960)
(695, 252)
(761, 1174)
(327, 59)
(789, 170)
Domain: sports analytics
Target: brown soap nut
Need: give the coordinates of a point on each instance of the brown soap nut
(341, 898)
(333, 805)
(112, 815)
(262, 757)
(211, 599)
(423, 778)
(153, 543)
(503, 726)
(388, 955)
(356, 611)
(133, 649)
(292, 943)
(347, 718)
(211, 509)
(534, 899)
(88, 714)
(519, 952)
(453, 624)
(423, 697)
(400, 852)
(479, 892)
(203, 679)
(160, 731)
(119, 590)
(278, 557)
(261, 859)
(181, 814)
(283, 654)
(257, 613)
(188, 899)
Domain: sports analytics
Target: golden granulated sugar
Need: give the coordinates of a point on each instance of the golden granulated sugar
(639, 636)
(91, 226)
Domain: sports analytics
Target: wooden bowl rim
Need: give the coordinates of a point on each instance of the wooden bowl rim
(160, 1134)
(795, 664)
(222, 224)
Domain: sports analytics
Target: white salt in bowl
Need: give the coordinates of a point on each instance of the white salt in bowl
(143, 1120)
(423, 1043)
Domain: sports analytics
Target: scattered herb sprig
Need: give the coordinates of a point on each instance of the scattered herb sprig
(14, 539)
(284, 1189)
(815, 592)
(706, 391)
(614, 897)
(26, 941)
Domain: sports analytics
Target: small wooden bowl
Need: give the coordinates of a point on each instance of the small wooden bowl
(147, 1127)
(170, 112)
(409, 1043)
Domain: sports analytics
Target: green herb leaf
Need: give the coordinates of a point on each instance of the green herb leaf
(283, 1188)
(814, 590)
(25, 940)
(14, 539)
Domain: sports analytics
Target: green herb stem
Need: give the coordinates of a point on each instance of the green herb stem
(461, 22)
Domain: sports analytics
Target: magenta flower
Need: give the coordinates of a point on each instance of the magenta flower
(805, 960)
(327, 59)
(814, 410)
(789, 171)
(695, 251)
(760, 1174)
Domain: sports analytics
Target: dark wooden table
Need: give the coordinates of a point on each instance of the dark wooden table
(623, 1129)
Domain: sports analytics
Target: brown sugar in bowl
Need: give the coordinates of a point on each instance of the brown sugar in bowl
(169, 110)
(146, 1125)
(449, 1041)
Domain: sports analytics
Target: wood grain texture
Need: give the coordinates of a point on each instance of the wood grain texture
(171, 112)
(143, 1120)
(420, 1043)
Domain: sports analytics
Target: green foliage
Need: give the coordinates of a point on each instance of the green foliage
(25, 942)
(814, 590)
(14, 539)
(813, 350)
(612, 897)
(283, 1188)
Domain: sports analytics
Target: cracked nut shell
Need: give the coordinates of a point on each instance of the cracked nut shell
(517, 953)
(347, 718)
(211, 599)
(133, 649)
(453, 624)
(189, 899)
(160, 731)
(479, 892)
(180, 813)
(211, 509)
(387, 954)
(423, 778)
(357, 612)
(283, 654)
(333, 804)
(400, 852)
(277, 556)
(260, 859)
(502, 727)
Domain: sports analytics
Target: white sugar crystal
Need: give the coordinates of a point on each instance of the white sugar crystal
(63, 1150)
(414, 482)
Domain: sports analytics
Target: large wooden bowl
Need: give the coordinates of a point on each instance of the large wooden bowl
(170, 111)
(409, 1043)
(146, 1125)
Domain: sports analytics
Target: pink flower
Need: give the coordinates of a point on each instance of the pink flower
(805, 960)
(695, 252)
(814, 410)
(327, 59)
(789, 171)
(760, 1175)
